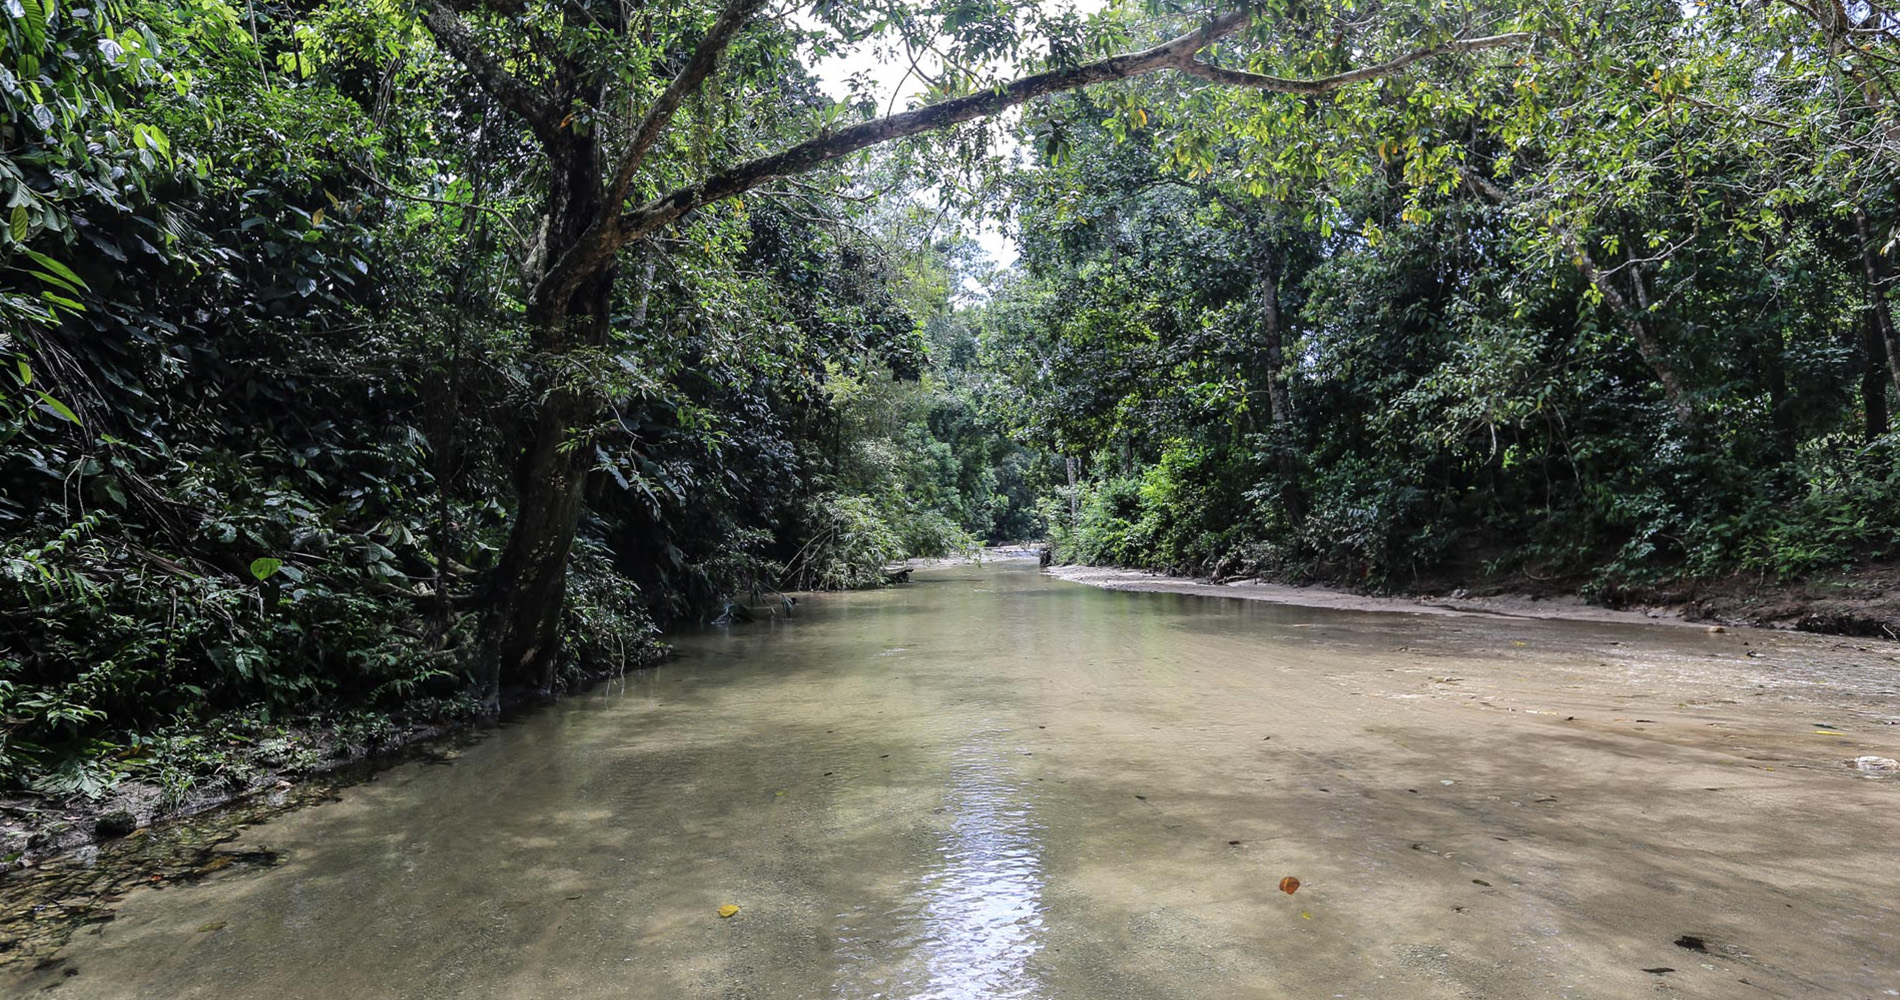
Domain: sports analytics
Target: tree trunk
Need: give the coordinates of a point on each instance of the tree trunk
(1775, 373)
(551, 482)
(1279, 399)
(522, 631)
(1273, 348)
(1075, 499)
(1874, 268)
(1634, 321)
(1873, 377)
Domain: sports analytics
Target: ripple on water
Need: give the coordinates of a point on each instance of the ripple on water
(977, 917)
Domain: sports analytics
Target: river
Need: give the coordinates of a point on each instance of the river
(991, 784)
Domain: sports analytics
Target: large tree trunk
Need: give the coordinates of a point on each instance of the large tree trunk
(551, 481)
(522, 639)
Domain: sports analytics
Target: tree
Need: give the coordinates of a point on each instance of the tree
(565, 71)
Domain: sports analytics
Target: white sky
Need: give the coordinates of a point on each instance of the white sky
(888, 76)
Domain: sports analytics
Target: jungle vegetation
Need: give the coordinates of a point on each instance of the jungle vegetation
(367, 362)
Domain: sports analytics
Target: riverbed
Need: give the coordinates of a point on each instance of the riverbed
(992, 784)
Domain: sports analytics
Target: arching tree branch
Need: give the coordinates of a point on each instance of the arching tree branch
(705, 57)
(1178, 54)
(1285, 85)
(453, 34)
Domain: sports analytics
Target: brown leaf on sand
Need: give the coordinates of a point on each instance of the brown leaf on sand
(1289, 885)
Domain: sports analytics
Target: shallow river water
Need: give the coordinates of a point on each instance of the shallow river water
(990, 784)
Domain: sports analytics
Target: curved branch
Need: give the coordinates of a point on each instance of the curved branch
(700, 66)
(1178, 53)
(831, 146)
(1325, 84)
(453, 34)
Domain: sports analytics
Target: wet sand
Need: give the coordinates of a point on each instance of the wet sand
(1567, 608)
(994, 784)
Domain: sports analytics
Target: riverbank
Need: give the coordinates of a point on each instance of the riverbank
(239, 758)
(1864, 602)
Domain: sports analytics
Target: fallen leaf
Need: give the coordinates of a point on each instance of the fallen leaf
(728, 910)
(1289, 885)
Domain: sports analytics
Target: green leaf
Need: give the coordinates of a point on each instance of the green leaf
(33, 24)
(26, 371)
(63, 302)
(265, 567)
(60, 409)
(20, 223)
(65, 273)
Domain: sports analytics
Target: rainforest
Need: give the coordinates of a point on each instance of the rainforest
(373, 369)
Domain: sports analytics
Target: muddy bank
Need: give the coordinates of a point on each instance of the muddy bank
(34, 828)
(71, 881)
(263, 767)
(1864, 603)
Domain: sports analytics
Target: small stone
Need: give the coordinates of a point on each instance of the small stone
(116, 823)
(1877, 765)
(1717, 628)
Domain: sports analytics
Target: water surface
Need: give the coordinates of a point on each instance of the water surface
(989, 784)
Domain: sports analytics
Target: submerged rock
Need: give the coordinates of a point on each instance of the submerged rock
(116, 823)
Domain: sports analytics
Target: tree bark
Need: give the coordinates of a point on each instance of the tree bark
(1279, 398)
(1780, 412)
(1873, 378)
(1633, 318)
(1875, 270)
(1272, 344)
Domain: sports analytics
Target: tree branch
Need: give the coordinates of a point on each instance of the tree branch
(1632, 316)
(453, 34)
(1178, 54)
(831, 146)
(700, 66)
(1325, 84)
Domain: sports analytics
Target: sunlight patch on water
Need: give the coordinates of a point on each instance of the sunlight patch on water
(977, 921)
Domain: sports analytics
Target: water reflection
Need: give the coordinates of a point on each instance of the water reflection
(977, 921)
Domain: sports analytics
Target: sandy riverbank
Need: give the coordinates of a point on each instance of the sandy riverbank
(1506, 606)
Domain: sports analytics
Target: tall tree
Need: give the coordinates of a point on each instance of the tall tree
(573, 73)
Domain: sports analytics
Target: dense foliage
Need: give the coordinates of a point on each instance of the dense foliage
(266, 378)
(1616, 312)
